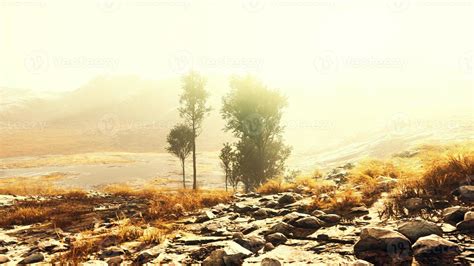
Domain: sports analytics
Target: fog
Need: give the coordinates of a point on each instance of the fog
(391, 64)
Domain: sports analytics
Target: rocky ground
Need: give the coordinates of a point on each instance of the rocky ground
(257, 229)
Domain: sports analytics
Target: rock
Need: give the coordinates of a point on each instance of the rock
(317, 213)
(361, 263)
(253, 243)
(465, 193)
(468, 223)
(359, 211)
(243, 208)
(250, 229)
(33, 258)
(4, 259)
(270, 262)
(309, 222)
(290, 231)
(215, 229)
(292, 217)
(287, 199)
(383, 247)
(276, 238)
(3, 250)
(111, 252)
(237, 235)
(206, 216)
(115, 261)
(441, 204)
(260, 214)
(414, 204)
(330, 218)
(143, 258)
(220, 257)
(454, 215)
(232, 248)
(434, 250)
(418, 228)
(268, 247)
(109, 240)
(48, 245)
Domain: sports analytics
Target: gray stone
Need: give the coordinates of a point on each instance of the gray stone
(330, 218)
(414, 204)
(292, 217)
(465, 193)
(115, 261)
(270, 262)
(253, 243)
(383, 247)
(454, 215)
(309, 222)
(4, 259)
(434, 250)
(33, 258)
(468, 223)
(206, 216)
(287, 199)
(3, 250)
(418, 228)
(276, 238)
(268, 247)
(143, 258)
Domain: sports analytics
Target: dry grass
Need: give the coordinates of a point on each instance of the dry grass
(275, 186)
(437, 171)
(33, 186)
(339, 201)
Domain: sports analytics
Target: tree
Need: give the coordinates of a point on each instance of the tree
(180, 141)
(253, 114)
(193, 109)
(227, 157)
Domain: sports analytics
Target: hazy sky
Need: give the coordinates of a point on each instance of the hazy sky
(375, 56)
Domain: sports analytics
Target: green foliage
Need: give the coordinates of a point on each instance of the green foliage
(180, 140)
(193, 109)
(253, 114)
(227, 157)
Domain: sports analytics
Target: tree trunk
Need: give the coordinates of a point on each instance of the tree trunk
(194, 157)
(184, 174)
(226, 176)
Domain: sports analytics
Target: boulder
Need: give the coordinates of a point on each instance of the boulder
(253, 243)
(441, 204)
(220, 258)
(276, 238)
(467, 224)
(287, 199)
(465, 193)
(270, 262)
(454, 215)
(330, 218)
(144, 257)
(33, 258)
(292, 217)
(359, 211)
(414, 204)
(317, 213)
(3, 250)
(4, 259)
(260, 214)
(309, 222)
(114, 261)
(435, 250)
(417, 228)
(290, 231)
(383, 247)
(268, 247)
(206, 216)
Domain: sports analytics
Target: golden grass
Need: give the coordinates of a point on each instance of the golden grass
(35, 186)
(63, 160)
(339, 201)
